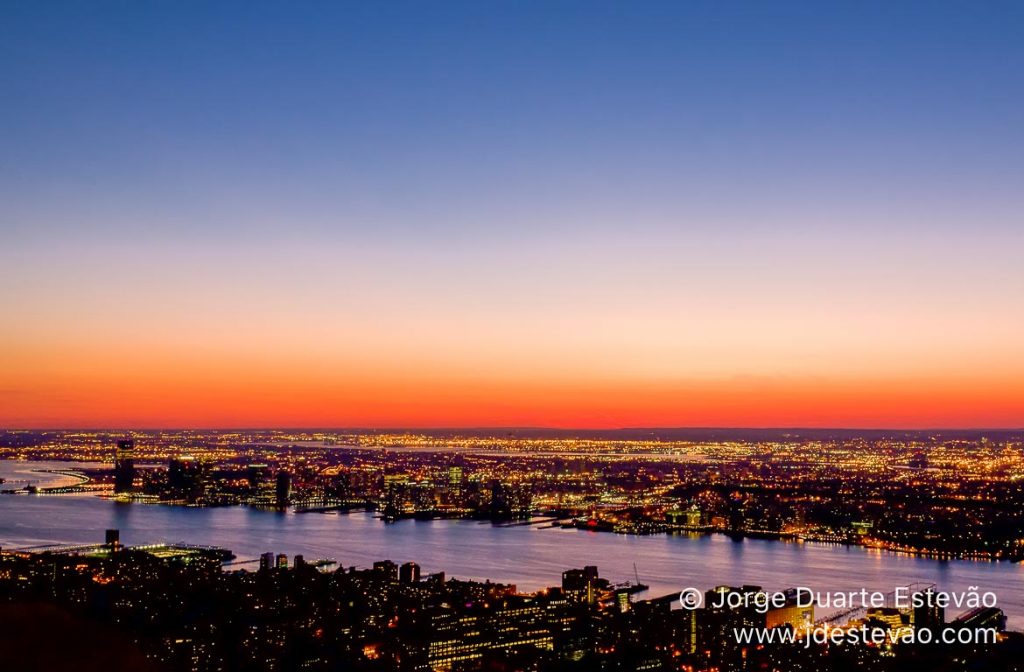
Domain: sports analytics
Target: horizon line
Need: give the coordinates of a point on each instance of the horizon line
(506, 428)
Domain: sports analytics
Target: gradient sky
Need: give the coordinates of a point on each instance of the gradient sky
(512, 213)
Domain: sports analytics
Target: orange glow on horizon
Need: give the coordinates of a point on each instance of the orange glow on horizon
(423, 351)
(260, 398)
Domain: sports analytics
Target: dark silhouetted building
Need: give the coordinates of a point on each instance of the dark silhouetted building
(718, 620)
(387, 569)
(187, 478)
(510, 500)
(124, 465)
(283, 489)
(409, 573)
(927, 613)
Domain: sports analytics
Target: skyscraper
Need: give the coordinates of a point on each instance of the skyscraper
(187, 478)
(124, 465)
(283, 489)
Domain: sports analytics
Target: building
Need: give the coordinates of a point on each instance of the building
(387, 570)
(257, 473)
(409, 573)
(622, 600)
(982, 618)
(886, 618)
(267, 561)
(580, 585)
(124, 465)
(187, 478)
(927, 613)
(443, 638)
(727, 609)
(510, 501)
(792, 613)
(283, 489)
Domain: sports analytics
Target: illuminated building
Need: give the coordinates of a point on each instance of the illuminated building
(981, 618)
(580, 585)
(792, 613)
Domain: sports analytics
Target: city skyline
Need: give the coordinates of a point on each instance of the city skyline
(569, 215)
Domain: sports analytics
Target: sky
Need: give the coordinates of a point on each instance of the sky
(564, 214)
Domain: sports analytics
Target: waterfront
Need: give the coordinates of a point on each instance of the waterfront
(528, 556)
(44, 474)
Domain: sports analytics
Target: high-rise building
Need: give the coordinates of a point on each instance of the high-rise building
(187, 478)
(580, 585)
(124, 465)
(282, 561)
(267, 561)
(283, 489)
(257, 474)
(409, 573)
(622, 600)
(510, 500)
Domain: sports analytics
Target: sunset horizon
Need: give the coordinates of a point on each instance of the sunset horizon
(746, 402)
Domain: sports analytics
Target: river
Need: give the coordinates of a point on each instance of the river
(527, 556)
